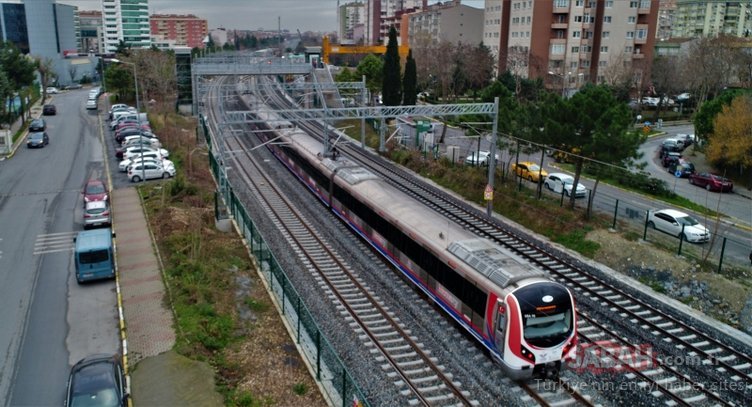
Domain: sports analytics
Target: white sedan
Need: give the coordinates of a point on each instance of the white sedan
(678, 224)
(149, 170)
(153, 156)
(558, 182)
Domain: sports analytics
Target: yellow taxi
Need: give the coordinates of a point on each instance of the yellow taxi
(529, 170)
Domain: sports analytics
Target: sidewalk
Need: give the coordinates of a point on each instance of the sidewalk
(159, 376)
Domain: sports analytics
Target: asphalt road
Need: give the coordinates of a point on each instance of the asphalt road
(49, 322)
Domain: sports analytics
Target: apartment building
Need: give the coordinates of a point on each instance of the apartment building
(696, 18)
(570, 42)
(492, 18)
(450, 21)
(666, 14)
(351, 18)
(90, 31)
(179, 30)
(127, 21)
(381, 15)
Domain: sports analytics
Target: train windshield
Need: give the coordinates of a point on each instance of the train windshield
(546, 313)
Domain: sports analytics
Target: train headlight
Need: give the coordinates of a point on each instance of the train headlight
(527, 354)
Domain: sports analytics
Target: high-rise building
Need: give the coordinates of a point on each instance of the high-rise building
(695, 18)
(350, 21)
(450, 21)
(127, 21)
(570, 42)
(184, 30)
(666, 13)
(14, 29)
(381, 15)
(90, 29)
(492, 26)
(47, 30)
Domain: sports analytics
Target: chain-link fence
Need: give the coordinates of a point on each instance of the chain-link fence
(330, 372)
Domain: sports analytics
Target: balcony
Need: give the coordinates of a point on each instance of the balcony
(638, 55)
(559, 25)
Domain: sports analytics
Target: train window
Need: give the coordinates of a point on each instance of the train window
(549, 326)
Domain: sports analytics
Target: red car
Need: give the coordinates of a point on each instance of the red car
(711, 182)
(94, 190)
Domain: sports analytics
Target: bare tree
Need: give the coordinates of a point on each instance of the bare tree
(518, 62)
(156, 75)
(666, 79)
(46, 68)
(713, 66)
(72, 70)
(479, 67)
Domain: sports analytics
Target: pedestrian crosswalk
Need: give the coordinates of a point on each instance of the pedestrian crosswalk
(54, 242)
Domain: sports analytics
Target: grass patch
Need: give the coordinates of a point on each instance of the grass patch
(300, 389)
(255, 305)
(655, 285)
(576, 241)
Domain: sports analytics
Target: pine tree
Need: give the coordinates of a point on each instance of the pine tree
(391, 91)
(409, 81)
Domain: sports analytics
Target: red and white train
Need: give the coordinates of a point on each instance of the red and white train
(526, 321)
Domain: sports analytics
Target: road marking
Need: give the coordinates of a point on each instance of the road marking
(54, 242)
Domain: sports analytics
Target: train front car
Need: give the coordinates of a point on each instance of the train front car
(541, 329)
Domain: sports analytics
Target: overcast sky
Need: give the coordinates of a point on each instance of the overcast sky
(305, 15)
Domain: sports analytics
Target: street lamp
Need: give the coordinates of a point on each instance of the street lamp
(138, 115)
(564, 79)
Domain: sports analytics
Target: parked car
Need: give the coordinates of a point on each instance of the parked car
(151, 156)
(558, 182)
(126, 132)
(118, 107)
(51, 90)
(97, 213)
(479, 157)
(670, 157)
(682, 168)
(97, 380)
(38, 125)
(141, 171)
(73, 86)
(136, 151)
(37, 139)
(94, 190)
(529, 170)
(674, 144)
(688, 139)
(136, 140)
(91, 104)
(49, 110)
(711, 182)
(678, 224)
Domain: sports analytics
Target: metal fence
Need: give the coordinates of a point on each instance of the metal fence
(330, 372)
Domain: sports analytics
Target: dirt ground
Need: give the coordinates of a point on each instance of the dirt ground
(675, 276)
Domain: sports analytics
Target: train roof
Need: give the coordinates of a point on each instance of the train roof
(349, 171)
(489, 260)
(497, 265)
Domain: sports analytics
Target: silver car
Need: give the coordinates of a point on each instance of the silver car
(97, 214)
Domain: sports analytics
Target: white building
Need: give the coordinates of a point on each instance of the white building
(127, 21)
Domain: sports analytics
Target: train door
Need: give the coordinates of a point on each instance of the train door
(500, 325)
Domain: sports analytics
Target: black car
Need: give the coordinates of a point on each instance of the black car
(97, 380)
(37, 125)
(49, 110)
(670, 158)
(37, 139)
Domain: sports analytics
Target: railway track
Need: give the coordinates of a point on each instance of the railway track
(420, 377)
(716, 361)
